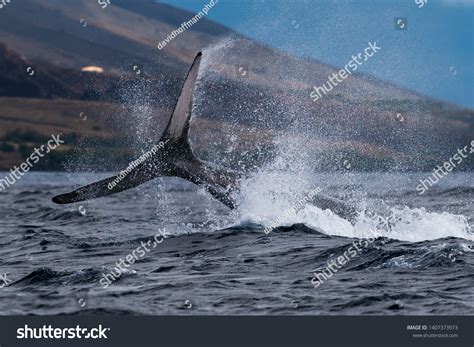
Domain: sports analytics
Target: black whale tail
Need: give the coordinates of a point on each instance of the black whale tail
(174, 157)
(173, 146)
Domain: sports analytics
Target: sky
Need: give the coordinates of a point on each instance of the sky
(433, 56)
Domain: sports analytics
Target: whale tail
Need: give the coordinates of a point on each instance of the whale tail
(175, 158)
(161, 161)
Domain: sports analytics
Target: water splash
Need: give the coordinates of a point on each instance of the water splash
(401, 223)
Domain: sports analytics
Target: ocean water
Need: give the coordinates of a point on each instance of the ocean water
(216, 261)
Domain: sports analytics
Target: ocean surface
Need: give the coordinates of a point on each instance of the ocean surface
(216, 261)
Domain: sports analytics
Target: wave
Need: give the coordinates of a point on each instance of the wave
(401, 223)
(47, 276)
(269, 197)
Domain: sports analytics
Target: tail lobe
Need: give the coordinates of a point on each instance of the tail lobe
(177, 128)
(175, 136)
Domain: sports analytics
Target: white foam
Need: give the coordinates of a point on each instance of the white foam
(268, 197)
(404, 224)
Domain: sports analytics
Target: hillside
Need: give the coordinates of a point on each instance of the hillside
(250, 89)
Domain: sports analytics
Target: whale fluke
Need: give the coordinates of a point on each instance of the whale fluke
(141, 174)
(177, 128)
(176, 158)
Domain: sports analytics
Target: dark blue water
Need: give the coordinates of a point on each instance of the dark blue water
(214, 261)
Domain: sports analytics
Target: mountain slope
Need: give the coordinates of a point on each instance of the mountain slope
(246, 87)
